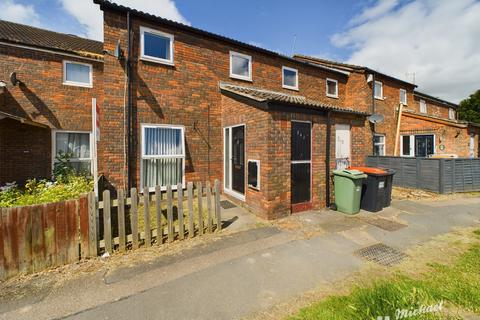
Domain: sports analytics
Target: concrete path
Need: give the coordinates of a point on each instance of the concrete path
(248, 271)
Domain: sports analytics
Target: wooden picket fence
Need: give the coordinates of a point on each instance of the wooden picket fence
(35, 238)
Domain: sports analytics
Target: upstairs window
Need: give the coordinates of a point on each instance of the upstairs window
(451, 114)
(423, 106)
(289, 78)
(163, 156)
(77, 74)
(378, 90)
(156, 46)
(240, 66)
(403, 96)
(332, 88)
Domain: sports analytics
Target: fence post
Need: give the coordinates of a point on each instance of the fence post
(191, 224)
(134, 216)
(181, 225)
(209, 208)
(121, 220)
(158, 211)
(107, 222)
(171, 229)
(2, 263)
(419, 175)
(218, 209)
(200, 208)
(146, 217)
(92, 224)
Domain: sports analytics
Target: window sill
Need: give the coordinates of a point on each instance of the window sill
(241, 78)
(81, 85)
(159, 61)
(290, 88)
(332, 96)
(379, 98)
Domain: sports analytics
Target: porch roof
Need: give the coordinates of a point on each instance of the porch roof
(4, 115)
(267, 96)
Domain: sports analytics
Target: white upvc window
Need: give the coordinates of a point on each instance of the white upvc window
(163, 156)
(379, 145)
(403, 96)
(240, 66)
(156, 46)
(77, 74)
(74, 144)
(289, 78)
(378, 90)
(451, 114)
(332, 88)
(407, 146)
(423, 106)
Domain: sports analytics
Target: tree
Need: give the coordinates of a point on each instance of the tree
(469, 109)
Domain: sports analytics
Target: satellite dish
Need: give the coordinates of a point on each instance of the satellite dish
(13, 78)
(118, 53)
(376, 118)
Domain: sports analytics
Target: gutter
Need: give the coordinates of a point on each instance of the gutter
(129, 104)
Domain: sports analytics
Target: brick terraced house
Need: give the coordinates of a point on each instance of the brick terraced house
(49, 108)
(179, 104)
(428, 125)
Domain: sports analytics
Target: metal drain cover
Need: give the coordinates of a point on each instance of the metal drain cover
(385, 224)
(225, 204)
(381, 254)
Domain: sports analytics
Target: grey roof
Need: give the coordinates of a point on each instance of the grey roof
(40, 38)
(266, 96)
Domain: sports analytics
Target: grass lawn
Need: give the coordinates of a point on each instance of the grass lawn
(457, 283)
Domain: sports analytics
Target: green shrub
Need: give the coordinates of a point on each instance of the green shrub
(44, 191)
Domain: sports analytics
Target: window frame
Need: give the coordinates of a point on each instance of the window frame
(310, 162)
(406, 97)
(283, 78)
(379, 97)
(424, 104)
(411, 152)
(451, 114)
(75, 83)
(336, 88)
(245, 56)
(143, 156)
(90, 141)
(382, 143)
(258, 175)
(159, 33)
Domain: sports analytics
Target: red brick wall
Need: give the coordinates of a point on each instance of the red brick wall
(268, 139)
(25, 152)
(186, 94)
(434, 108)
(455, 140)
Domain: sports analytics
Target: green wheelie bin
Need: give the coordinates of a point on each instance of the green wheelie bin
(348, 190)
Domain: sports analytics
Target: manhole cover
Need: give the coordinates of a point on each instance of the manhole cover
(385, 224)
(381, 254)
(227, 204)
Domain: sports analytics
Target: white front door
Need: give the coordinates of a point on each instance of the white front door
(342, 146)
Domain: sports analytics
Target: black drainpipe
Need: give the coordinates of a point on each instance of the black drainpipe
(327, 160)
(373, 111)
(129, 103)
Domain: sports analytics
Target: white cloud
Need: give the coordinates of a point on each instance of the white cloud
(438, 40)
(90, 16)
(16, 12)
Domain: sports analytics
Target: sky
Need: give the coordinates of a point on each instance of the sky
(434, 43)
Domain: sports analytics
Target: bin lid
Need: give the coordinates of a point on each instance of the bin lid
(352, 174)
(369, 170)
